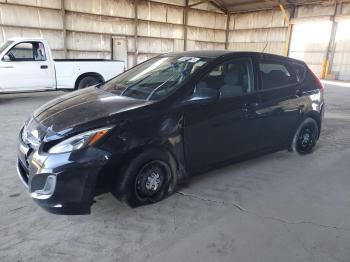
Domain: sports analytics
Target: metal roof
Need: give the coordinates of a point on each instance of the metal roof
(236, 6)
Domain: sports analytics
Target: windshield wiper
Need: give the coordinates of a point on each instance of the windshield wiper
(160, 86)
(126, 89)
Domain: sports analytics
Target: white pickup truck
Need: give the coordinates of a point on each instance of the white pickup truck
(26, 65)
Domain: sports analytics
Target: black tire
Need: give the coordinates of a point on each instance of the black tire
(305, 137)
(130, 187)
(88, 81)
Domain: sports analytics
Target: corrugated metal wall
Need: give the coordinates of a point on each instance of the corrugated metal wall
(33, 19)
(90, 25)
(206, 30)
(258, 31)
(84, 29)
(160, 29)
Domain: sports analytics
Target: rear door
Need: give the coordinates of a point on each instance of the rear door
(222, 129)
(28, 68)
(281, 102)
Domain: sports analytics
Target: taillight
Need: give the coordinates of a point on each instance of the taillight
(318, 81)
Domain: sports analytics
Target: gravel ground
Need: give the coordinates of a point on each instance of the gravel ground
(279, 207)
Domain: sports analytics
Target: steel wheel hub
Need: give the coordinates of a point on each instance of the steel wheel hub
(151, 178)
(306, 138)
(153, 181)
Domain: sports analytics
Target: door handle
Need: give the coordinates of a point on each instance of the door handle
(44, 67)
(249, 106)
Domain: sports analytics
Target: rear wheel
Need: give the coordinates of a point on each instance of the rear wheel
(305, 137)
(147, 179)
(88, 81)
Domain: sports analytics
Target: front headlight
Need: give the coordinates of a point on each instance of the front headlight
(79, 141)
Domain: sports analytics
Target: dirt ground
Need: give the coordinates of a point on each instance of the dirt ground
(279, 207)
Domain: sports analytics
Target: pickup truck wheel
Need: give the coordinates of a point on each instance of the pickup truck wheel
(147, 179)
(88, 81)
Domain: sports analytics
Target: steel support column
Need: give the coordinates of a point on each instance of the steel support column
(185, 23)
(64, 30)
(136, 24)
(288, 18)
(328, 62)
(228, 20)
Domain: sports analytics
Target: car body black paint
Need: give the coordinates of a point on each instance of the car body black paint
(199, 134)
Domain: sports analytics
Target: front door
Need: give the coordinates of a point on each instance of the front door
(25, 68)
(219, 130)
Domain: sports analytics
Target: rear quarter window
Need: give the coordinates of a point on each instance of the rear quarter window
(300, 71)
(276, 74)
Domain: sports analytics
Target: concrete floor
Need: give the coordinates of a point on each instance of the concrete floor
(279, 207)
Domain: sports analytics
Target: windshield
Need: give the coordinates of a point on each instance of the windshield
(155, 78)
(5, 45)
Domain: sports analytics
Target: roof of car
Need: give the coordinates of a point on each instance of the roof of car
(219, 53)
(202, 53)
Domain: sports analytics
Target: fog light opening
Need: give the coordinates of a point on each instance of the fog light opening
(48, 189)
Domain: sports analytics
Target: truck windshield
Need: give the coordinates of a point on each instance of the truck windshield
(5, 45)
(155, 78)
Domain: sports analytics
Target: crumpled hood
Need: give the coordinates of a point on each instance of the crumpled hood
(83, 106)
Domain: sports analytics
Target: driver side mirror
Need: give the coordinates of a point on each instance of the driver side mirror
(205, 93)
(6, 58)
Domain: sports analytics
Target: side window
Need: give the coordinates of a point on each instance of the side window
(276, 74)
(233, 78)
(39, 51)
(300, 70)
(27, 52)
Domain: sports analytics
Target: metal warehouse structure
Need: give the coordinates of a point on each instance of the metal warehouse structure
(314, 31)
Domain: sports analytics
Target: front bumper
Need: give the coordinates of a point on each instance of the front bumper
(61, 183)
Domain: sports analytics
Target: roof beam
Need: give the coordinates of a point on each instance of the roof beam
(251, 6)
(197, 3)
(216, 3)
(219, 5)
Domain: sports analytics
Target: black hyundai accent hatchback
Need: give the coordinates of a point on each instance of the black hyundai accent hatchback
(172, 116)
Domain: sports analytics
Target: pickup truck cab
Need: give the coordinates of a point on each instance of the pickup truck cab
(26, 65)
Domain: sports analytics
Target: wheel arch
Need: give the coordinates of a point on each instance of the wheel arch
(315, 116)
(311, 114)
(128, 157)
(93, 74)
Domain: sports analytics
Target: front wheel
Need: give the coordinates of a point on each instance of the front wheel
(305, 137)
(146, 179)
